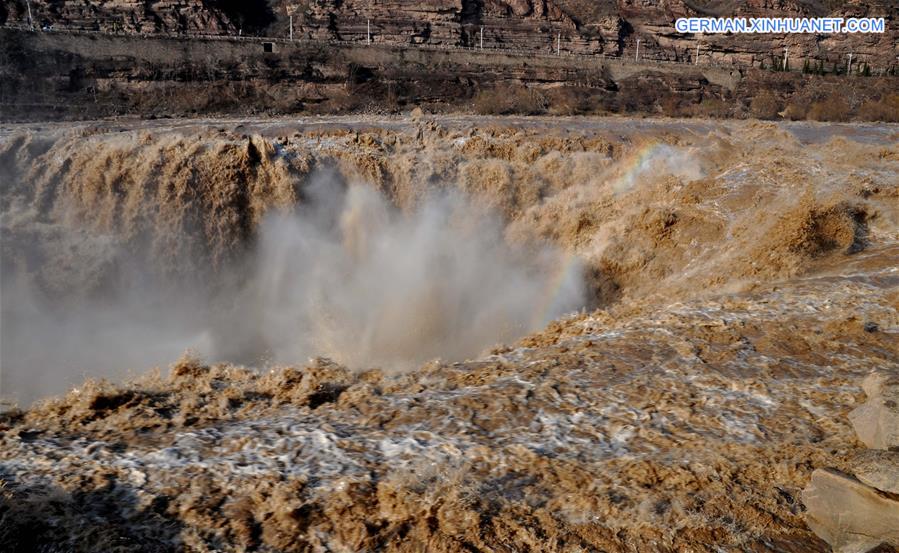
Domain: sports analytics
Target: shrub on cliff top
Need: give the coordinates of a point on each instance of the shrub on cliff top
(765, 106)
(885, 109)
(832, 108)
(509, 99)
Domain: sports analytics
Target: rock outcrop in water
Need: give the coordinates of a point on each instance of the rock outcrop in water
(849, 515)
(877, 421)
(859, 512)
(878, 469)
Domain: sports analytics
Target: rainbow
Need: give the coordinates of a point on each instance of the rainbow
(566, 273)
(635, 164)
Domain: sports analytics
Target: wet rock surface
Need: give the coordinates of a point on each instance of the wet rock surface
(849, 515)
(861, 513)
(877, 421)
(878, 469)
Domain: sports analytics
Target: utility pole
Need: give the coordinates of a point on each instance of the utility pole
(786, 57)
(559, 44)
(30, 20)
(290, 19)
(482, 37)
(368, 30)
(637, 56)
(849, 68)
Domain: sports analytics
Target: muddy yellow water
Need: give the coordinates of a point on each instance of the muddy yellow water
(451, 334)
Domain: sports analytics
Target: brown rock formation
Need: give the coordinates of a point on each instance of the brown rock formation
(878, 469)
(125, 16)
(877, 421)
(858, 514)
(849, 515)
(579, 26)
(85, 75)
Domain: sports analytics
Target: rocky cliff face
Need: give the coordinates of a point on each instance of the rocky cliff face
(654, 25)
(65, 75)
(580, 26)
(131, 16)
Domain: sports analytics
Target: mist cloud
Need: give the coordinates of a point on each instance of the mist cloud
(346, 275)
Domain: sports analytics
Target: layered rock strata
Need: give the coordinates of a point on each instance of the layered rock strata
(569, 26)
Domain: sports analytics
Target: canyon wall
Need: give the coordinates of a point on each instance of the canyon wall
(579, 26)
(82, 75)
